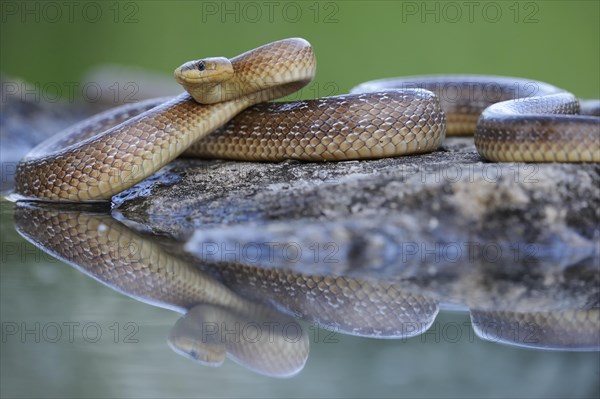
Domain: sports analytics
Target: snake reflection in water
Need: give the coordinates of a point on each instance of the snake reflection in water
(228, 294)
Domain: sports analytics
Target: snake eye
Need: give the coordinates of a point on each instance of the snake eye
(201, 66)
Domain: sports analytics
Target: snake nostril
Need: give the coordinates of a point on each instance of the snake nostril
(201, 66)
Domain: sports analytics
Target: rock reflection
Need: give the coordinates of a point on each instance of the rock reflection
(539, 294)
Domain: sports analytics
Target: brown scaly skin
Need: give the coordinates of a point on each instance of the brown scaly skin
(513, 119)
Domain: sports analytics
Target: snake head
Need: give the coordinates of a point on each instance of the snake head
(206, 70)
(200, 77)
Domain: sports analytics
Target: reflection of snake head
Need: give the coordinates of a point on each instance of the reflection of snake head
(258, 338)
(200, 76)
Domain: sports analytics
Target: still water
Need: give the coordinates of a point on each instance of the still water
(99, 328)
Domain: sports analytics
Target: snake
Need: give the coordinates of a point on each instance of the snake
(225, 113)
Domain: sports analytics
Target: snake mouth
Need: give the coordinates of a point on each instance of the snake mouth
(182, 78)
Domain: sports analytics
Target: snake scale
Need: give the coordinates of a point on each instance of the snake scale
(512, 120)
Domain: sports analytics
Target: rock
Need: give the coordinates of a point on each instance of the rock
(446, 224)
(451, 187)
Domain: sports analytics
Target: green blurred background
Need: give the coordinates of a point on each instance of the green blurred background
(554, 41)
(53, 44)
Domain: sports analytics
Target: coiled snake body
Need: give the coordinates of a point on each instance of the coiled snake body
(81, 164)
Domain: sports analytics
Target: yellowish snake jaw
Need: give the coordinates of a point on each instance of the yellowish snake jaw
(203, 78)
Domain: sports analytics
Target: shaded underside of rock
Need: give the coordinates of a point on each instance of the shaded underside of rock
(451, 187)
